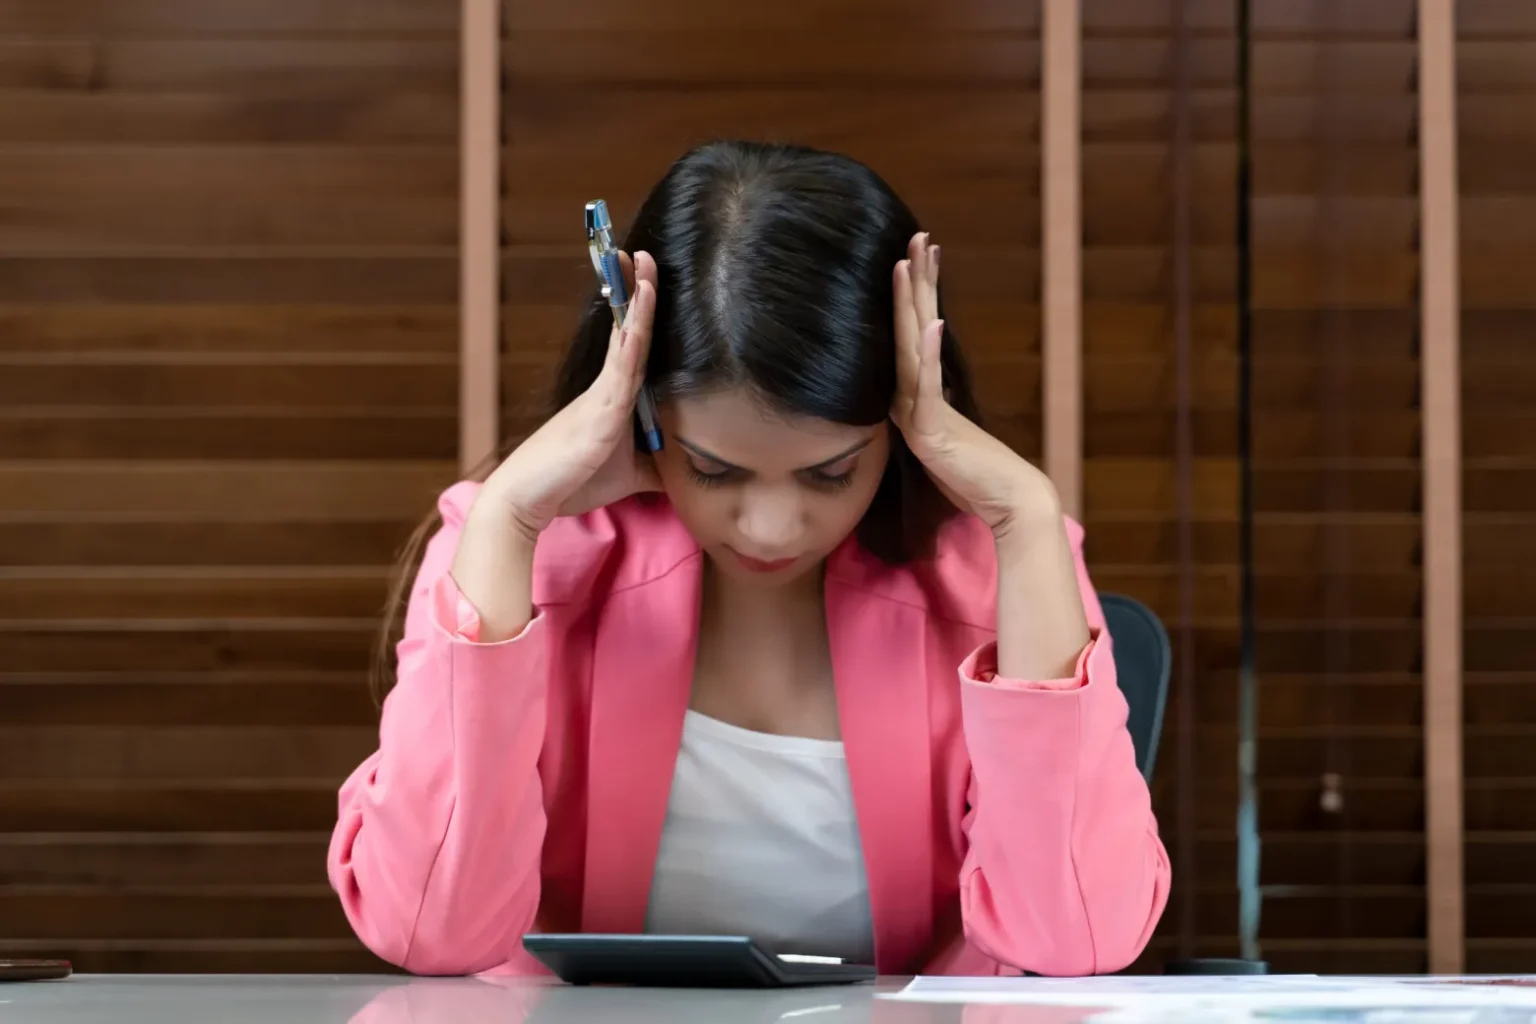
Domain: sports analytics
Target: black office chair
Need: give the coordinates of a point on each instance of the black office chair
(1143, 665)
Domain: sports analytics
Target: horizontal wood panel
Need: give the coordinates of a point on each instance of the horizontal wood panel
(73, 198)
(295, 67)
(700, 53)
(312, 330)
(261, 382)
(264, 433)
(342, 699)
(240, 17)
(118, 806)
(1307, 434)
(373, 117)
(223, 591)
(1384, 700)
(1379, 912)
(1144, 486)
(137, 860)
(230, 491)
(176, 541)
(54, 754)
(1281, 542)
(64, 912)
(157, 276)
(171, 646)
(1270, 17)
(1376, 752)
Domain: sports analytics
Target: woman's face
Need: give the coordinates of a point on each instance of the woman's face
(768, 496)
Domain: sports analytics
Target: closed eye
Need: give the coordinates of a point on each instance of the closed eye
(830, 481)
(711, 477)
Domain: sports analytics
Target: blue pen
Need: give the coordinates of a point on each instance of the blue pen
(610, 273)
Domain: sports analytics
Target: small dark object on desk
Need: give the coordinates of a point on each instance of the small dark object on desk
(683, 961)
(34, 970)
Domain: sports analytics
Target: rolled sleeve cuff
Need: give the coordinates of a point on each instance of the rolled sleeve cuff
(981, 668)
(456, 616)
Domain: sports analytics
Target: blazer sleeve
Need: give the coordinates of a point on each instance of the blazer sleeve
(1064, 873)
(435, 853)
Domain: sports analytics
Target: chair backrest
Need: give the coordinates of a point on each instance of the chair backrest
(1143, 659)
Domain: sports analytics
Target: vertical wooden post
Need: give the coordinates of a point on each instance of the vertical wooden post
(1061, 249)
(479, 231)
(1440, 363)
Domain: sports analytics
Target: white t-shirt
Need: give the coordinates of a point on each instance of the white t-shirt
(761, 839)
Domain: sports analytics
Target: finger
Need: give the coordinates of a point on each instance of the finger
(930, 377)
(908, 333)
(627, 350)
(636, 343)
(644, 270)
(925, 286)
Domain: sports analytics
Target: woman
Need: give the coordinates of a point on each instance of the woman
(826, 670)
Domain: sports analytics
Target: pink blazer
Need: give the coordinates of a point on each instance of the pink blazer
(522, 786)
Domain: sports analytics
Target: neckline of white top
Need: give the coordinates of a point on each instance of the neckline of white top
(701, 725)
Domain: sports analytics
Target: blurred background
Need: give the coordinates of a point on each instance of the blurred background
(230, 353)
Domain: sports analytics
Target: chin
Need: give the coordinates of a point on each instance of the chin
(731, 565)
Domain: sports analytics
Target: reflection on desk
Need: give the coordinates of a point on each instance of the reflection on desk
(258, 999)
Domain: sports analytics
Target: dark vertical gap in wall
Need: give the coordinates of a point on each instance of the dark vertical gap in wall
(1247, 753)
(1180, 299)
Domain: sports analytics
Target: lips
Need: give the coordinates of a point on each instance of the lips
(759, 565)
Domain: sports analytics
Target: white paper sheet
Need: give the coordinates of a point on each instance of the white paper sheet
(1225, 993)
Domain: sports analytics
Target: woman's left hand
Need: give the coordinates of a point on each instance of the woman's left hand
(975, 470)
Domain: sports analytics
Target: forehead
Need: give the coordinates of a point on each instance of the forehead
(739, 427)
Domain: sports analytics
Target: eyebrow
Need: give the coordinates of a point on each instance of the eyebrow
(823, 464)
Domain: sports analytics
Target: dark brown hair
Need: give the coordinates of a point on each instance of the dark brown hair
(774, 267)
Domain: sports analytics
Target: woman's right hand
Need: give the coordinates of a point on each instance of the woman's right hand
(584, 457)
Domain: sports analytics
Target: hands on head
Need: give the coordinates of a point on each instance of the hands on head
(584, 457)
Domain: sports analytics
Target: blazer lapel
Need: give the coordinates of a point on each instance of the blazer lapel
(878, 661)
(642, 675)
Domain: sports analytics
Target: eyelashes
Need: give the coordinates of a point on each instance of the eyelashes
(708, 479)
(819, 481)
(831, 482)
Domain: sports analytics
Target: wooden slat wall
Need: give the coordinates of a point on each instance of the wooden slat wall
(228, 348)
(1335, 445)
(1130, 379)
(941, 99)
(228, 382)
(1496, 72)
(1337, 498)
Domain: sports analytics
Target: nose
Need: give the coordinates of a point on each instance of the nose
(769, 521)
